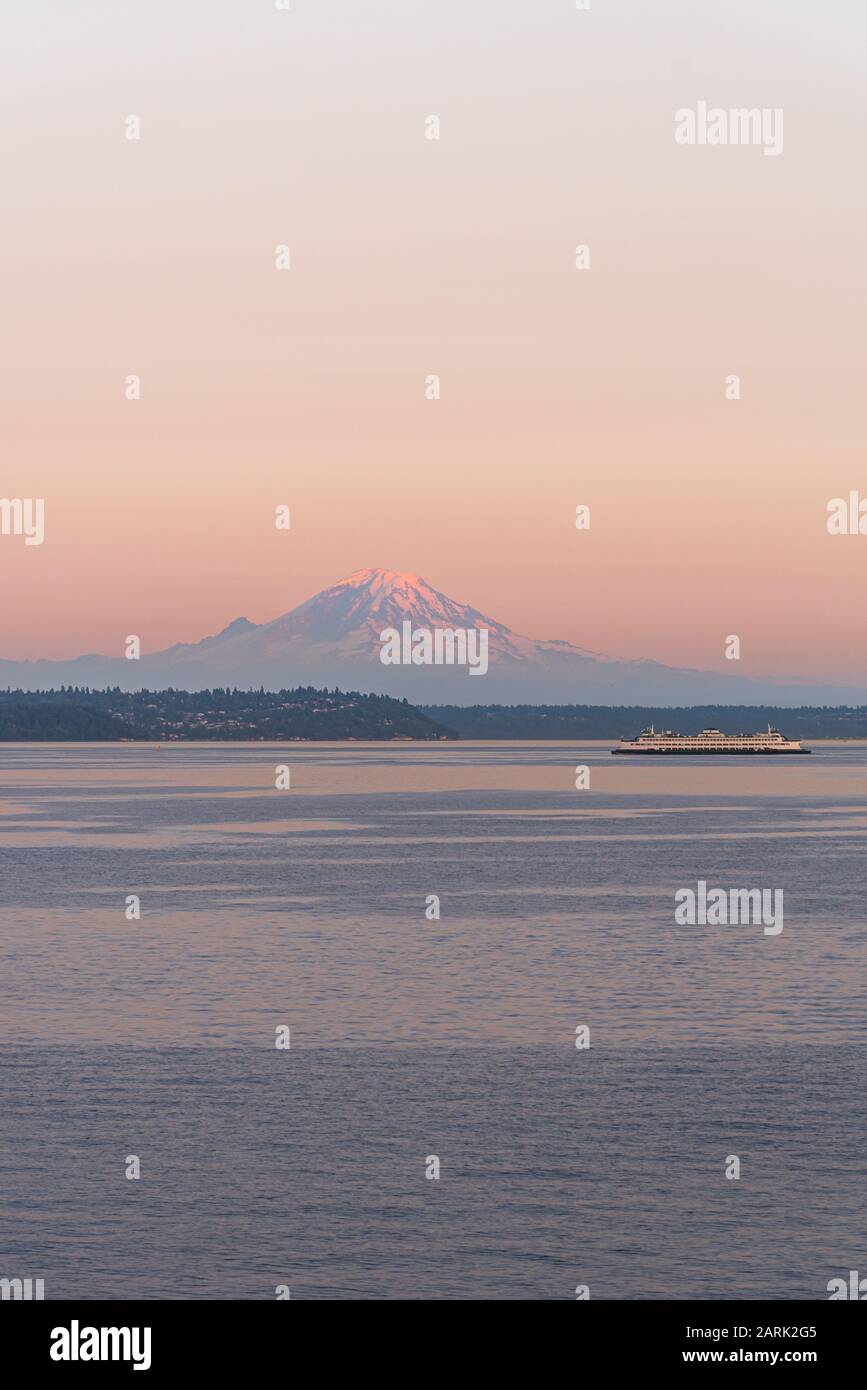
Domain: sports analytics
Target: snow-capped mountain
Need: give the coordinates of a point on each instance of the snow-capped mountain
(345, 622)
(333, 639)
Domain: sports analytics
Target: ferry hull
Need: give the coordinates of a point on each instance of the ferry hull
(713, 752)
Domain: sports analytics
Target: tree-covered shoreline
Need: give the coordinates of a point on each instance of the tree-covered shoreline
(81, 714)
(78, 713)
(622, 721)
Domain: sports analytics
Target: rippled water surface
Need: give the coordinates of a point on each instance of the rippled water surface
(412, 1037)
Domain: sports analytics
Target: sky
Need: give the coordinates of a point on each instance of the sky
(305, 387)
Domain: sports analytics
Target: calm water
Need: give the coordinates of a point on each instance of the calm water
(413, 1037)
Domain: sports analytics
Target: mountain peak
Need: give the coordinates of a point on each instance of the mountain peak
(237, 628)
(384, 581)
(363, 604)
(238, 625)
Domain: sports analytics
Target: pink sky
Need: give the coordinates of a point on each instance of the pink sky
(454, 257)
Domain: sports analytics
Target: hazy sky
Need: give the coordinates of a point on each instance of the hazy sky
(411, 256)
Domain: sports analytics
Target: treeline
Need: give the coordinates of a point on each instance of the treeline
(78, 713)
(620, 721)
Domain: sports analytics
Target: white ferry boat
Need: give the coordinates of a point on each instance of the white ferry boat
(708, 741)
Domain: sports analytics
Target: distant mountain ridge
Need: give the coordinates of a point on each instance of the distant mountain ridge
(333, 639)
